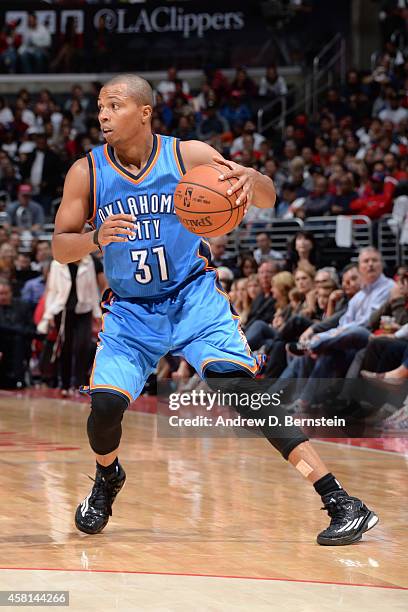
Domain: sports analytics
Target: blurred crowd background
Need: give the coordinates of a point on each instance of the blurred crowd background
(316, 307)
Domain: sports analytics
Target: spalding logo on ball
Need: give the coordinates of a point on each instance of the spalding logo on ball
(202, 204)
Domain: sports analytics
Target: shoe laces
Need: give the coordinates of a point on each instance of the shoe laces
(336, 509)
(101, 493)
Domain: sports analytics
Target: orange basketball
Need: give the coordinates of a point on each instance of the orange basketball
(202, 204)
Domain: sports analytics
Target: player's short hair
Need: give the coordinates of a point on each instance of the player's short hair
(138, 87)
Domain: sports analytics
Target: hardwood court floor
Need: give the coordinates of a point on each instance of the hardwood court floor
(202, 524)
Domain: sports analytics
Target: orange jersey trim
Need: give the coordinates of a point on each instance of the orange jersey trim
(145, 172)
(253, 369)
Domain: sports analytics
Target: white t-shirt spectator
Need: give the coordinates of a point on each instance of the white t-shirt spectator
(395, 115)
(6, 116)
(35, 38)
(167, 89)
(238, 143)
(259, 256)
(272, 90)
(28, 117)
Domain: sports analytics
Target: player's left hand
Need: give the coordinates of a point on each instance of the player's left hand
(246, 180)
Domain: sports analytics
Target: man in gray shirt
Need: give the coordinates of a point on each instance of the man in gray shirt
(25, 212)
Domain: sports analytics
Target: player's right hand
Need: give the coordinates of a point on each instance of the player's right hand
(116, 228)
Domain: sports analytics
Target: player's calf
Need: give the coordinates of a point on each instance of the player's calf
(104, 432)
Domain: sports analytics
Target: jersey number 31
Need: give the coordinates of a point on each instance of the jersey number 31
(143, 274)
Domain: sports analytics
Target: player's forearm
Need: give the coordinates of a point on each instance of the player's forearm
(67, 247)
(264, 191)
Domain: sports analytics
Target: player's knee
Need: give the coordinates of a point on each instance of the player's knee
(105, 422)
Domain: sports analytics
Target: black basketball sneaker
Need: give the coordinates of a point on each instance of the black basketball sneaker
(93, 513)
(350, 518)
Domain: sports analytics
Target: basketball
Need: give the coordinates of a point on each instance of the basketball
(202, 204)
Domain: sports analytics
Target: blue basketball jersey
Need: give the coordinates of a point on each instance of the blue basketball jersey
(163, 254)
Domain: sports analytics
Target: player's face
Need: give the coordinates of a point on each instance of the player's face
(120, 117)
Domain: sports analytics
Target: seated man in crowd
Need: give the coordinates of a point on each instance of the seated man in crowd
(264, 250)
(25, 213)
(263, 306)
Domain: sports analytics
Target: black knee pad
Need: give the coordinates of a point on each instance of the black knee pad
(105, 421)
(240, 381)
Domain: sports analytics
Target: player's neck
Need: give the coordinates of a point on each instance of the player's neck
(135, 156)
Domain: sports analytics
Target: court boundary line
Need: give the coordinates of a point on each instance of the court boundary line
(363, 448)
(140, 573)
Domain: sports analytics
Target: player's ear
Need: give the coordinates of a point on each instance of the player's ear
(146, 113)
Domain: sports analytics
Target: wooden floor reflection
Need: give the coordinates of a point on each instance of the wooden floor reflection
(206, 507)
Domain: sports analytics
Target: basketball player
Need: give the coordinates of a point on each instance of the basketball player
(164, 297)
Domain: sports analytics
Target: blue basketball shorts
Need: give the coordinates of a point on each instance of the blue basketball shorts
(196, 323)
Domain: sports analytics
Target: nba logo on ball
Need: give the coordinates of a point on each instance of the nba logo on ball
(202, 204)
(187, 198)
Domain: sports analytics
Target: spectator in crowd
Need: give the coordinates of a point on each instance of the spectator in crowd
(35, 46)
(304, 281)
(302, 249)
(263, 306)
(213, 123)
(77, 95)
(394, 111)
(42, 169)
(10, 41)
(242, 301)
(219, 256)
(345, 194)
(248, 266)
(26, 213)
(34, 288)
(167, 87)
(318, 202)
(300, 177)
(5, 220)
(4, 235)
(243, 84)
(16, 332)
(337, 303)
(272, 85)
(23, 272)
(185, 129)
(70, 47)
(377, 203)
(261, 331)
(41, 252)
(288, 201)
(264, 250)
(72, 301)
(249, 129)
(388, 340)
(235, 110)
(6, 114)
(253, 287)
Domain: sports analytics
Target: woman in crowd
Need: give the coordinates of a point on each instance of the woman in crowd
(302, 250)
(242, 302)
(248, 265)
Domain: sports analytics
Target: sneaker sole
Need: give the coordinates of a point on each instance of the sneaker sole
(370, 522)
(88, 531)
